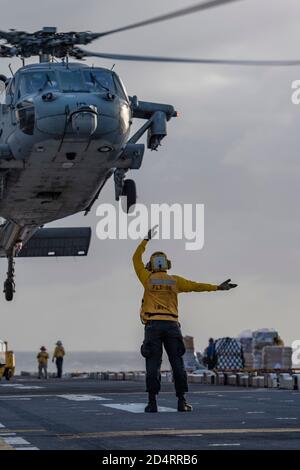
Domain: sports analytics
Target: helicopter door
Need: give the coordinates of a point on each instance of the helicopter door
(9, 99)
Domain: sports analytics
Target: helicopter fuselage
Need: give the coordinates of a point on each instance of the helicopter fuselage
(64, 131)
(63, 141)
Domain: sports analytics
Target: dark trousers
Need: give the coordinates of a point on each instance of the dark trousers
(167, 333)
(59, 366)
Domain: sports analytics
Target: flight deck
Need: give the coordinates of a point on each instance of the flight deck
(87, 414)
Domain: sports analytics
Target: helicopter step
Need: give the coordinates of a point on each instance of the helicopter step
(41, 242)
(47, 242)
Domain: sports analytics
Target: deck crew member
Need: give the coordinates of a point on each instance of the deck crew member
(58, 355)
(159, 314)
(42, 358)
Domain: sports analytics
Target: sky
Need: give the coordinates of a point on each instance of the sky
(235, 148)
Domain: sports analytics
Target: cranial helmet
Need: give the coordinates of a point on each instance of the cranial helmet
(158, 262)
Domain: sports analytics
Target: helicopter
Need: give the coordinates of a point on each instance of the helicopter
(65, 131)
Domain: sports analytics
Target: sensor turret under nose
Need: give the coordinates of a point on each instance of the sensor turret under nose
(85, 120)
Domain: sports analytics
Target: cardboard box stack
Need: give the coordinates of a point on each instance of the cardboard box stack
(190, 358)
(261, 339)
(246, 340)
(277, 357)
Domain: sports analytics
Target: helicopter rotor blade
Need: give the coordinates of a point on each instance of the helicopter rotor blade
(168, 16)
(12, 35)
(4, 35)
(141, 58)
(6, 51)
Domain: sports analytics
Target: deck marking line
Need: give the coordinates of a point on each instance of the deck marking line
(83, 397)
(15, 399)
(224, 445)
(285, 418)
(175, 432)
(137, 407)
(14, 441)
(21, 386)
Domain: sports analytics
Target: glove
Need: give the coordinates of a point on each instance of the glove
(151, 233)
(227, 285)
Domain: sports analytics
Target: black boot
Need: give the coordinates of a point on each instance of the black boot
(183, 405)
(152, 405)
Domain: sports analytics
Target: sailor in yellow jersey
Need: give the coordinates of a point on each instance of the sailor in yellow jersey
(42, 358)
(159, 314)
(58, 356)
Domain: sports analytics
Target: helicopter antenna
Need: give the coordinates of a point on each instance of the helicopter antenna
(11, 70)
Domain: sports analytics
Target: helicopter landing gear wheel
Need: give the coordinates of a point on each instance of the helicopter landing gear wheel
(9, 289)
(129, 191)
(9, 284)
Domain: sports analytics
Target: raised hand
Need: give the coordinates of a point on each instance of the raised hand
(152, 232)
(226, 285)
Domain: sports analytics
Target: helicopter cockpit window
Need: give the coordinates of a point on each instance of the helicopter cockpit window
(36, 82)
(120, 87)
(71, 81)
(99, 80)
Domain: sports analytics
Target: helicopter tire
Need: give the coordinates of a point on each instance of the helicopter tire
(9, 290)
(129, 190)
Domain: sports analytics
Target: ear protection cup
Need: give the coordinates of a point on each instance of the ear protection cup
(151, 264)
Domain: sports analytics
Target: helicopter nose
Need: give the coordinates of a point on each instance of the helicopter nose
(84, 120)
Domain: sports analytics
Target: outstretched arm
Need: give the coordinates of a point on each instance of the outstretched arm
(184, 285)
(190, 286)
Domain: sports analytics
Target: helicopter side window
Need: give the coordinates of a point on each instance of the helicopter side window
(35, 82)
(25, 114)
(10, 90)
(11, 87)
(120, 88)
(71, 81)
(99, 80)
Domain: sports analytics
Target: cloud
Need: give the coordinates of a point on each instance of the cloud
(234, 148)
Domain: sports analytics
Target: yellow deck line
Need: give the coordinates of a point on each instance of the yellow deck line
(173, 432)
(22, 431)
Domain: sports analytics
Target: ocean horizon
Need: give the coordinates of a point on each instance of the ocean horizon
(87, 361)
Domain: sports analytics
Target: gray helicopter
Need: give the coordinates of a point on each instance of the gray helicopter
(65, 130)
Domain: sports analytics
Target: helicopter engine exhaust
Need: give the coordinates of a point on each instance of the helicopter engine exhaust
(85, 120)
